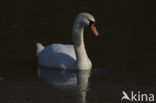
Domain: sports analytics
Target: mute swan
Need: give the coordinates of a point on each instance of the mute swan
(69, 56)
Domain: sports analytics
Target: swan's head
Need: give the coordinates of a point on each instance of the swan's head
(86, 19)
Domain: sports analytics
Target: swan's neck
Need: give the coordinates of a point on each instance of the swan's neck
(78, 36)
(81, 55)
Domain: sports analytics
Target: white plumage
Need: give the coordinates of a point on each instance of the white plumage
(57, 56)
(69, 56)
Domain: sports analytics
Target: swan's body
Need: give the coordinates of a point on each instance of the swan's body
(68, 56)
(64, 56)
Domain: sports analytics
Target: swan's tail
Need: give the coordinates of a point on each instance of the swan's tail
(39, 48)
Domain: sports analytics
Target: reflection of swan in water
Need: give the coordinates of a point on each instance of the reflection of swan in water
(58, 78)
(82, 77)
(65, 79)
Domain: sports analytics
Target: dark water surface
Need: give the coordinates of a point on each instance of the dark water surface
(124, 56)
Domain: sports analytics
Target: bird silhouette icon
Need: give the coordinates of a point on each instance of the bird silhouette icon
(125, 96)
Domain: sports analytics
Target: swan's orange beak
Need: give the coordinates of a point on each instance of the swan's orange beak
(93, 28)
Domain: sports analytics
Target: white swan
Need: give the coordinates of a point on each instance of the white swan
(68, 56)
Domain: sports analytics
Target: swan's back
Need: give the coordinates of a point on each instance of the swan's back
(57, 56)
